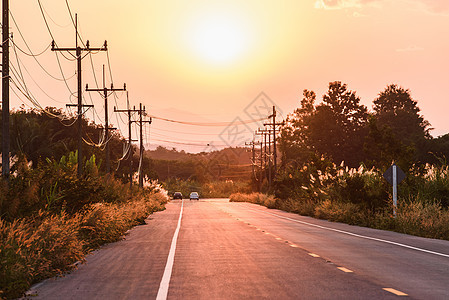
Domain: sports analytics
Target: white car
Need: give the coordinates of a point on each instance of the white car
(194, 195)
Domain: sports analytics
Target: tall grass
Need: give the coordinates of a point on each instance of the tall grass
(363, 197)
(38, 247)
(414, 216)
(256, 198)
(51, 218)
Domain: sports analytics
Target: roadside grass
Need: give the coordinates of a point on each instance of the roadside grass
(414, 216)
(47, 244)
(256, 198)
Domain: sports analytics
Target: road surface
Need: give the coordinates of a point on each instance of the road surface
(213, 249)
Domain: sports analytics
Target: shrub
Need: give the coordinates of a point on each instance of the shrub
(35, 248)
(47, 244)
(256, 198)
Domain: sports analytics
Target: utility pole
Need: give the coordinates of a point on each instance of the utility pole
(5, 90)
(105, 91)
(253, 155)
(254, 162)
(78, 54)
(141, 112)
(261, 157)
(130, 140)
(270, 180)
(274, 131)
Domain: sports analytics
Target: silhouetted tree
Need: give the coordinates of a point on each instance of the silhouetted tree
(338, 126)
(294, 143)
(396, 111)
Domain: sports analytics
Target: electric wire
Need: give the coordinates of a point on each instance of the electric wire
(211, 123)
(74, 23)
(31, 52)
(54, 22)
(195, 133)
(19, 62)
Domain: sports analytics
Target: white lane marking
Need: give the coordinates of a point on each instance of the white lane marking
(314, 255)
(396, 292)
(354, 234)
(345, 270)
(163, 287)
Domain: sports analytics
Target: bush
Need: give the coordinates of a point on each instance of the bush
(256, 198)
(38, 247)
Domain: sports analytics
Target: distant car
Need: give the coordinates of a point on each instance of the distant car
(194, 195)
(177, 195)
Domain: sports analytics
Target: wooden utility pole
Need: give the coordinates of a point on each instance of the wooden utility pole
(105, 91)
(78, 54)
(141, 122)
(130, 140)
(253, 160)
(261, 156)
(141, 113)
(5, 90)
(274, 131)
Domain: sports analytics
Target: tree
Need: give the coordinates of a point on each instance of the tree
(293, 143)
(338, 125)
(395, 109)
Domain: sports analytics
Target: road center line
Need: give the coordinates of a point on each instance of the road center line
(354, 234)
(163, 287)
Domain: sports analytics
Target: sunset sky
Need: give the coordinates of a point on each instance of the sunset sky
(206, 61)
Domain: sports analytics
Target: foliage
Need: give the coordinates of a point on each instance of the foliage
(256, 198)
(46, 244)
(335, 128)
(343, 130)
(35, 248)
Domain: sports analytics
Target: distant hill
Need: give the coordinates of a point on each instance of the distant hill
(238, 155)
(226, 164)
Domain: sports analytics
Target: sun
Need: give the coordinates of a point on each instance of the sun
(219, 39)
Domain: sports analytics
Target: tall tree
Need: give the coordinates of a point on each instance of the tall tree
(294, 135)
(395, 109)
(338, 126)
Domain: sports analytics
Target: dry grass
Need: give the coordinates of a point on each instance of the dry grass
(32, 249)
(256, 198)
(415, 217)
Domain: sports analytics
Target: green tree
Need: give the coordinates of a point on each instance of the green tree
(397, 112)
(337, 128)
(294, 144)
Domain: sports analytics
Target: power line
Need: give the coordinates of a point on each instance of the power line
(211, 123)
(194, 133)
(78, 50)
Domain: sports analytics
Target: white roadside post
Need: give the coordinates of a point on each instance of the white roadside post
(395, 190)
(394, 175)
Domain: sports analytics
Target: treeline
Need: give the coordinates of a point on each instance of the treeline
(334, 154)
(337, 151)
(342, 129)
(227, 164)
(38, 135)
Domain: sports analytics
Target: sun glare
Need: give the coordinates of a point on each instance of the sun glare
(218, 39)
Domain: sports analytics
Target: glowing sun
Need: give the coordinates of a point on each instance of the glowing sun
(219, 39)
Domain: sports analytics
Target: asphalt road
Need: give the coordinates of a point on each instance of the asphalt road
(222, 250)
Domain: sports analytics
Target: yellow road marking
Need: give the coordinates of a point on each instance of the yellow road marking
(345, 270)
(314, 255)
(294, 246)
(396, 292)
(279, 239)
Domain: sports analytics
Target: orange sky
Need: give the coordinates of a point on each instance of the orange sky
(207, 60)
